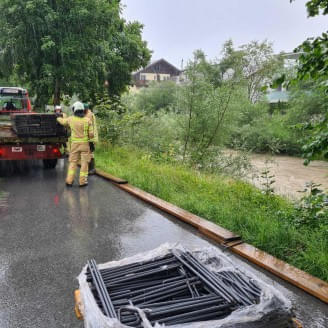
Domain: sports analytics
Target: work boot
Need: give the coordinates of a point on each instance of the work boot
(92, 169)
(83, 180)
(69, 181)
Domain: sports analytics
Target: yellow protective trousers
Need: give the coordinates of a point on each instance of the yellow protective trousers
(80, 151)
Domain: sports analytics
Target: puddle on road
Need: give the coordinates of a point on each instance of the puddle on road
(290, 174)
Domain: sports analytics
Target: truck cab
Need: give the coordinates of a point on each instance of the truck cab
(14, 100)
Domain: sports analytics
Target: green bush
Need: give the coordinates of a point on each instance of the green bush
(312, 210)
(157, 97)
(267, 134)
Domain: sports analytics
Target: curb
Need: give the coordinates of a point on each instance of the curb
(226, 238)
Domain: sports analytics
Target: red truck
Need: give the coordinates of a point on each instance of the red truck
(17, 147)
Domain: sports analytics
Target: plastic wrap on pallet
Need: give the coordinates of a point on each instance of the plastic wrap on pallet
(273, 310)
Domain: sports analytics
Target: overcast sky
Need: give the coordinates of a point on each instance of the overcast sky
(175, 28)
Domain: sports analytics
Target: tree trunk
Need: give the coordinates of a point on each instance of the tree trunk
(57, 93)
(189, 126)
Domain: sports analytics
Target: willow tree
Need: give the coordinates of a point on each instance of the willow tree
(65, 47)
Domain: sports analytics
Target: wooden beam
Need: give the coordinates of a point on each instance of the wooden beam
(283, 270)
(110, 177)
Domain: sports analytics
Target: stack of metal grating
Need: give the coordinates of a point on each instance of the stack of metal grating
(174, 289)
(37, 125)
(20, 124)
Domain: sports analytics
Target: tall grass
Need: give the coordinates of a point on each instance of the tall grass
(232, 204)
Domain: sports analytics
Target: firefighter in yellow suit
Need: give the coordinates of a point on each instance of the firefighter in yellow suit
(81, 134)
(59, 111)
(89, 114)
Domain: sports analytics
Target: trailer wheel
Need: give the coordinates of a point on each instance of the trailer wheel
(49, 163)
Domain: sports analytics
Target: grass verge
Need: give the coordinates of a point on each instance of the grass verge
(232, 204)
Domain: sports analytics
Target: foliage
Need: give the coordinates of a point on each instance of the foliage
(260, 65)
(204, 108)
(233, 204)
(159, 96)
(125, 122)
(254, 64)
(66, 47)
(314, 58)
(315, 6)
(268, 181)
(261, 128)
(211, 71)
(312, 210)
(187, 121)
(235, 164)
(308, 100)
(108, 111)
(317, 143)
(314, 65)
(259, 131)
(213, 109)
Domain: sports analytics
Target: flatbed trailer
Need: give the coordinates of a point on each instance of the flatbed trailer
(14, 148)
(17, 148)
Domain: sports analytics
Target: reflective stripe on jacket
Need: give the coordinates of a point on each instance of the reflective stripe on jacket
(81, 128)
(91, 116)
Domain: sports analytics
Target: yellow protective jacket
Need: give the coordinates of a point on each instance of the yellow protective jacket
(91, 116)
(81, 128)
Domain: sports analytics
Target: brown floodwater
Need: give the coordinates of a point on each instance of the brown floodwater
(289, 173)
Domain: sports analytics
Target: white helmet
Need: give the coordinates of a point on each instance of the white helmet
(58, 107)
(77, 106)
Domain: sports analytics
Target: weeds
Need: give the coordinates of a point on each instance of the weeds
(312, 210)
(267, 180)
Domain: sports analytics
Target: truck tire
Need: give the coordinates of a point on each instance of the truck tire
(49, 163)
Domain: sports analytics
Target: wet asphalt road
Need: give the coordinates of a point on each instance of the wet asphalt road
(48, 232)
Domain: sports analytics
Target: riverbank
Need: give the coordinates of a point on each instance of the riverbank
(232, 204)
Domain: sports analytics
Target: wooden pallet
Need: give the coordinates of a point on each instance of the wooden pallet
(78, 304)
(79, 309)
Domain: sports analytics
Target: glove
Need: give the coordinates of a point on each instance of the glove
(92, 146)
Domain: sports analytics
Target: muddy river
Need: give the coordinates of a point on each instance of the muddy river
(289, 173)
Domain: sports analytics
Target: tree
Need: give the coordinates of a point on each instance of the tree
(231, 61)
(317, 143)
(66, 47)
(210, 70)
(259, 66)
(254, 64)
(315, 6)
(314, 65)
(204, 106)
(314, 56)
